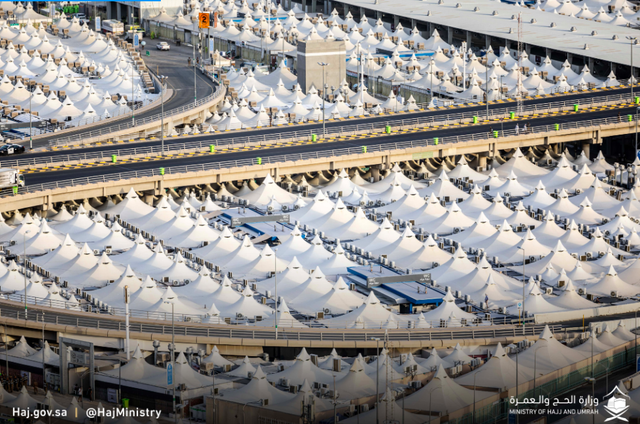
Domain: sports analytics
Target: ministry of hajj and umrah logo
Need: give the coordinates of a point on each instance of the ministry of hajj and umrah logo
(616, 405)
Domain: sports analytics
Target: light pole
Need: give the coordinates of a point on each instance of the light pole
(632, 41)
(486, 85)
(31, 121)
(524, 283)
(275, 276)
(44, 383)
(431, 81)
(173, 362)
(257, 402)
(195, 92)
(162, 79)
(464, 64)
(377, 339)
(24, 270)
(473, 419)
(535, 370)
(430, 411)
(323, 64)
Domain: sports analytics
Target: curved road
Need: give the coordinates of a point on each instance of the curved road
(172, 63)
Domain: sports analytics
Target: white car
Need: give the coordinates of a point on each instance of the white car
(163, 45)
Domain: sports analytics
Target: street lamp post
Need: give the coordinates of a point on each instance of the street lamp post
(431, 81)
(44, 383)
(275, 276)
(377, 339)
(524, 283)
(24, 270)
(633, 41)
(172, 351)
(30, 118)
(162, 79)
(323, 64)
(473, 419)
(430, 411)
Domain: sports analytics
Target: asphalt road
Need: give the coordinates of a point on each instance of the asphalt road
(172, 63)
(43, 177)
(283, 131)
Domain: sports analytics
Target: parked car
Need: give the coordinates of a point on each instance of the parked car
(11, 149)
(163, 45)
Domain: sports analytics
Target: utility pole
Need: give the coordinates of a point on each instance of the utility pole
(519, 93)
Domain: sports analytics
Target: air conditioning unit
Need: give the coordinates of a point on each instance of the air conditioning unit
(614, 293)
(548, 290)
(284, 382)
(319, 315)
(96, 252)
(415, 384)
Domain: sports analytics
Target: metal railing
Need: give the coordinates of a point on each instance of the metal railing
(278, 159)
(441, 119)
(52, 316)
(142, 121)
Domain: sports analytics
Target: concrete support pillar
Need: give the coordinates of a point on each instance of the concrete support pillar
(378, 14)
(586, 148)
(396, 20)
(314, 6)
(482, 160)
(467, 37)
(547, 52)
(591, 64)
(570, 58)
(275, 173)
(118, 12)
(449, 35)
(129, 12)
(413, 23)
(527, 48)
(487, 41)
(375, 173)
(429, 30)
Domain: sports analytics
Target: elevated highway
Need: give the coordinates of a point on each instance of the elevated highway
(583, 98)
(241, 338)
(86, 181)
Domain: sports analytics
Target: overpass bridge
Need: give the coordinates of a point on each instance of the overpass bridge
(45, 188)
(241, 339)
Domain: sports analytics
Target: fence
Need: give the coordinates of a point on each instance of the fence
(16, 310)
(207, 319)
(500, 410)
(441, 119)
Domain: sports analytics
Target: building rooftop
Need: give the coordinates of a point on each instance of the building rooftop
(503, 24)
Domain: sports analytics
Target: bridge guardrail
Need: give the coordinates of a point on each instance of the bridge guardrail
(52, 316)
(305, 134)
(373, 148)
(130, 125)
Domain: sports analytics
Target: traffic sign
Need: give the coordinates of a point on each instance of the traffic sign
(169, 374)
(98, 24)
(203, 20)
(136, 40)
(519, 305)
